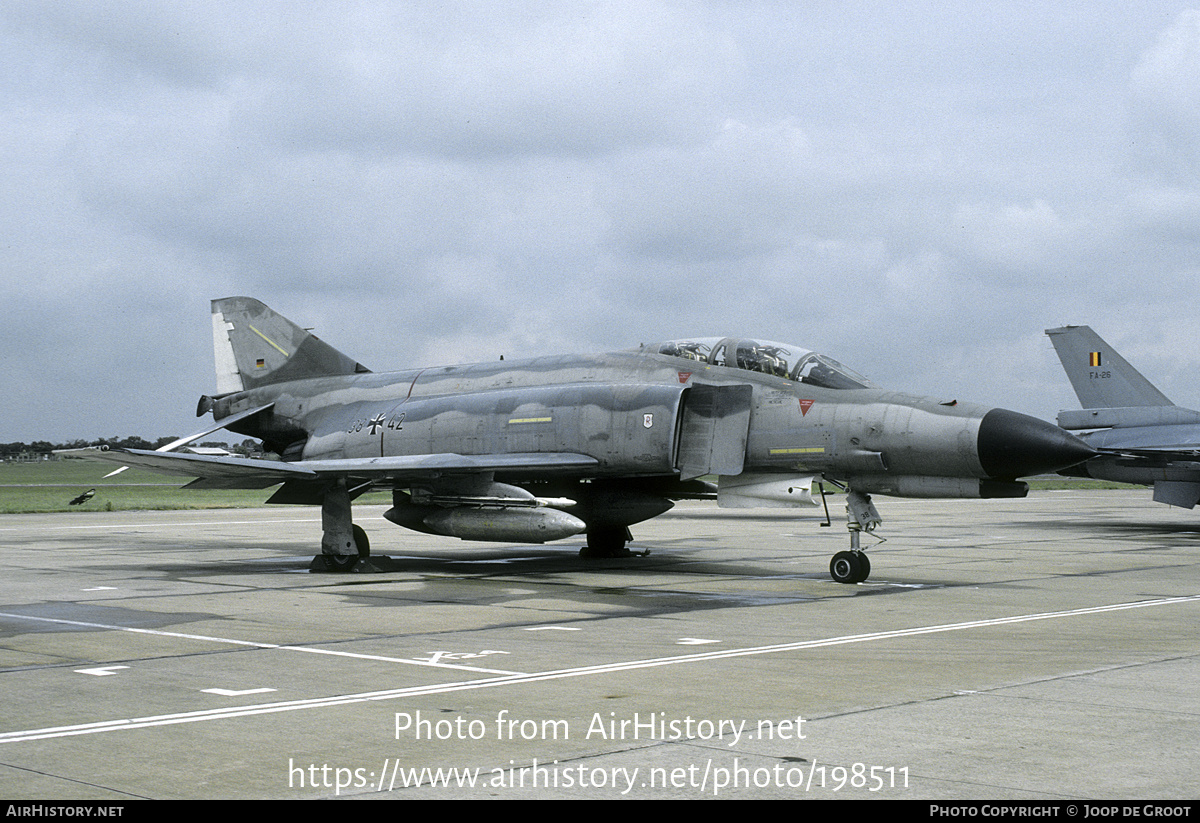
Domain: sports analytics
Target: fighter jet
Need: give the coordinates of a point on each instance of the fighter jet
(543, 449)
(1142, 436)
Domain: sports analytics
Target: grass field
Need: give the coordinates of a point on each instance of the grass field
(49, 486)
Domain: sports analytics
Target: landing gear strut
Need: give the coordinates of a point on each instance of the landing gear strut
(861, 516)
(343, 544)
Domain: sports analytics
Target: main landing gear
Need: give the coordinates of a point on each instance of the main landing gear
(344, 546)
(609, 541)
(861, 516)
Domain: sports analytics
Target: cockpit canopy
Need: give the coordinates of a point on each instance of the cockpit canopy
(767, 357)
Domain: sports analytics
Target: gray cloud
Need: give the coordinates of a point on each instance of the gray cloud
(916, 191)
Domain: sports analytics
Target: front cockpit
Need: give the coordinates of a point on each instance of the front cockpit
(767, 357)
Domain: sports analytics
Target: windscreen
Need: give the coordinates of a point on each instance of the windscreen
(767, 357)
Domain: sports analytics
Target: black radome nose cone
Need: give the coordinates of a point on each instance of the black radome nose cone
(1017, 445)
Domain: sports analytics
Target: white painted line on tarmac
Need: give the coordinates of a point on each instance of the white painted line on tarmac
(172, 525)
(560, 674)
(253, 644)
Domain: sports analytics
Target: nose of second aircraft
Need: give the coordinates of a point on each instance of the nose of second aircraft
(1013, 445)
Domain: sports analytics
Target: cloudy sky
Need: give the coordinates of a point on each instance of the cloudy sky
(913, 190)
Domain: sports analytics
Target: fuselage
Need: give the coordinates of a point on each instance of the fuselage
(639, 414)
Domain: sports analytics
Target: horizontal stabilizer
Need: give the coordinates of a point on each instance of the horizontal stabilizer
(224, 422)
(88, 453)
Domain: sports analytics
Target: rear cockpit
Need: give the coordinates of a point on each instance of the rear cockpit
(767, 357)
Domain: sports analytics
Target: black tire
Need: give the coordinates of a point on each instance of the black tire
(845, 567)
(605, 541)
(361, 542)
(339, 563)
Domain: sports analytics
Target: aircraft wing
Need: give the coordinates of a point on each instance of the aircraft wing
(244, 473)
(222, 472)
(1134, 443)
(1157, 431)
(419, 465)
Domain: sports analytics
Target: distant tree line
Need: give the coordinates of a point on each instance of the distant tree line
(40, 449)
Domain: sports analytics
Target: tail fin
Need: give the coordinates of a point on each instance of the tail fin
(255, 347)
(1102, 378)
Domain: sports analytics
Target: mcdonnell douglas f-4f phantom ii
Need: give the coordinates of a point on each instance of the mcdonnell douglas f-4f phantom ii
(546, 448)
(1142, 436)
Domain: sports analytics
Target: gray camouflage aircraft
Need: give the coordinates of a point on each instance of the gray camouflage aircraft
(546, 448)
(1142, 436)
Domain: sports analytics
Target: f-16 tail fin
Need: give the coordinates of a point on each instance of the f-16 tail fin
(1102, 379)
(255, 347)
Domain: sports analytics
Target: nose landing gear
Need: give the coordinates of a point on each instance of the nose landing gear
(861, 516)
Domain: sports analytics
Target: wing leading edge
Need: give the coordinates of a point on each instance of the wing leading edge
(244, 473)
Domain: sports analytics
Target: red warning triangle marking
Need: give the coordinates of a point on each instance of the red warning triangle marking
(805, 405)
